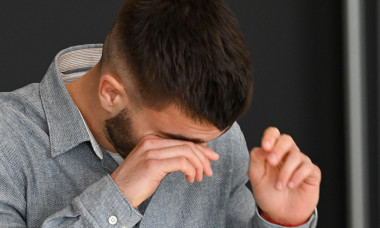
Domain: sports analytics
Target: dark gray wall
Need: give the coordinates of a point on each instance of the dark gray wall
(33, 32)
(296, 50)
(296, 47)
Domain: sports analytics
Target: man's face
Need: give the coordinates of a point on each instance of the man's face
(129, 127)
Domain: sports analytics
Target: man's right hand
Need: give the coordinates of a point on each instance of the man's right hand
(153, 158)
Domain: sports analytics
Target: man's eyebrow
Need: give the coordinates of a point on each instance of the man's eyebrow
(183, 138)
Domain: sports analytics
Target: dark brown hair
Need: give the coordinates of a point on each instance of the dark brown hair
(187, 52)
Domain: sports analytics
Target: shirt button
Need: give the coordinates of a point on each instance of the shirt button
(112, 220)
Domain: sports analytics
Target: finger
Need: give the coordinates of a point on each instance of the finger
(284, 144)
(211, 155)
(203, 157)
(204, 154)
(305, 170)
(290, 164)
(175, 164)
(199, 151)
(269, 138)
(184, 150)
(152, 142)
(257, 164)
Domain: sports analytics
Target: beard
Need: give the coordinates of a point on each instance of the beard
(119, 132)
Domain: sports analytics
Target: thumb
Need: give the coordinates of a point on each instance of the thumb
(257, 165)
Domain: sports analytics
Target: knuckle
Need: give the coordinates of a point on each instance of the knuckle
(186, 147)
(149, 154)
(307, 159)
(254, 152)
(149, 142)
(151, 164)
(318, 170)
(309, 166)
(202, 157)
(182, 161)
(287, 137)
(297, 155)
(191, 144)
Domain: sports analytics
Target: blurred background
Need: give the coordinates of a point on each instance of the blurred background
(316, 78)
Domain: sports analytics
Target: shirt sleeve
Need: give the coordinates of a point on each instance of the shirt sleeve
(12, 206)
(259, 221)
(100, 205)
(242, 210)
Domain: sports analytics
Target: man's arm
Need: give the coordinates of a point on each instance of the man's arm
(111, 200)
(97, 206)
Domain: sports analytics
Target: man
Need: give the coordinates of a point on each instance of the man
(122, 135)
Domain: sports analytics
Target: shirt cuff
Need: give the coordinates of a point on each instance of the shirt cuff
(262, 222)
(103, 205)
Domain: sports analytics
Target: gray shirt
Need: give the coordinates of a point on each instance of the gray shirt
(50, 175)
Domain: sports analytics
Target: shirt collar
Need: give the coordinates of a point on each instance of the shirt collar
(65, 123)
(95, 145)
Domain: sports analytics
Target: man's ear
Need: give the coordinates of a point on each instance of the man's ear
(112, 94)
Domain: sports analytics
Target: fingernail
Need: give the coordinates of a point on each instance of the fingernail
(291, 184)
(266, 144)
(190, 180)
(273, 158)
(216, 155)
(279, 185)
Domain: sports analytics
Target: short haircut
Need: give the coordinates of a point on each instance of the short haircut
(190, 53)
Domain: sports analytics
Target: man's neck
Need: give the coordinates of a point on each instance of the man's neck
(84, 93)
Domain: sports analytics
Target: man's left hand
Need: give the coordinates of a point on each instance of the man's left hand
(284, 181)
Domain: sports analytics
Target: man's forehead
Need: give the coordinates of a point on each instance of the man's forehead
(172, 122)
(193, 139)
